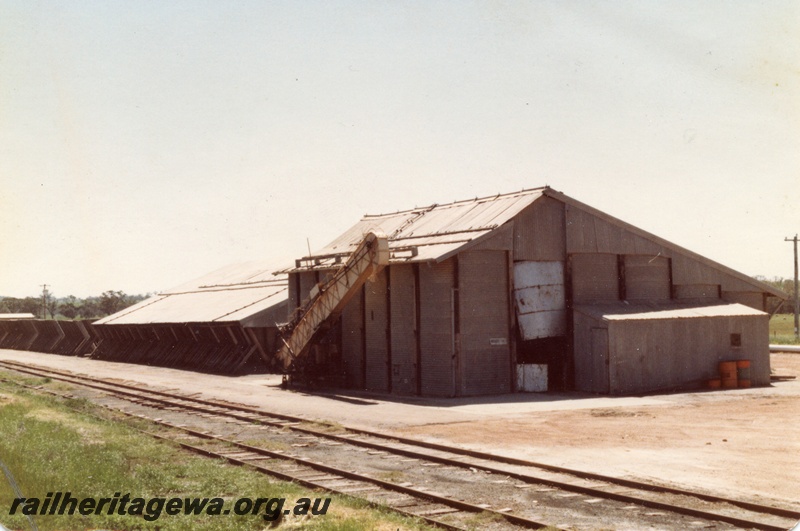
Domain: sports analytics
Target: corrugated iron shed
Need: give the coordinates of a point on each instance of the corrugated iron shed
(424, 234)
(437, 232)
(236, 293)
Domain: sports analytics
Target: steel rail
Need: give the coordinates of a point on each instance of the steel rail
(385, 485)
(757, 508)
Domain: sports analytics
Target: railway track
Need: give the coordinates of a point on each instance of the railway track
(529, 488)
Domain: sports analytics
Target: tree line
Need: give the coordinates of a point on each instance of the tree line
(109, 302)
(71, 307)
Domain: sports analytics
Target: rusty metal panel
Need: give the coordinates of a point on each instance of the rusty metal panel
(485, 328)
(403, 333)
(376, 325)
(353, 342)
(697, 291)
(646, 277)
(595, 277)
(436, 329)
(539, 298)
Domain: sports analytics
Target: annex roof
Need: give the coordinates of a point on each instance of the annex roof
(16, 316)
(245, 292)
(428, 233)
(624, 311)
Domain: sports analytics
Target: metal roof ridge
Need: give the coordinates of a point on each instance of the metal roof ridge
(245, 306)
(250, 284)
(524, 191)
(234, 287)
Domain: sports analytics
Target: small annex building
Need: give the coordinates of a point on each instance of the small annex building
(224, 322)
(479, 291)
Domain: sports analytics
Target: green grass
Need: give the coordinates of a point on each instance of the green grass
(781, 330)
(49, 447)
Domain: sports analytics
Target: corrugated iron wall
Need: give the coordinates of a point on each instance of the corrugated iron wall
(751, 299)
(68, 338)
(403, 329)
(376, 325)
(636, 356)
(697, 291)
(647, 278)
(591, 374)
(587, 233)
(353, 341)
(436, 328)
(595, 277)
(484, 327)
(684, 353)
(224, 348)
(539, 232)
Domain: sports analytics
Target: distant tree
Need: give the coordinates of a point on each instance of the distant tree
(90, 309)
(112, 302)
(27, 305)
(51, 303)
(70, 307)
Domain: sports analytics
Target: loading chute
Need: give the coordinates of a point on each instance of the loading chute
(328, 299)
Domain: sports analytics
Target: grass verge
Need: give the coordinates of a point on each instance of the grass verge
(49, 447)
(781, 330)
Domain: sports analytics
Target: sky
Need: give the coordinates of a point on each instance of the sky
(143, 144)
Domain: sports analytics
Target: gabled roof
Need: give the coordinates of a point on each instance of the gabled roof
(437, 232)
(236, 293)
(428, 233)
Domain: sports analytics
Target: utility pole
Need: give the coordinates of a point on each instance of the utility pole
(796, 297)
(44, 302)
